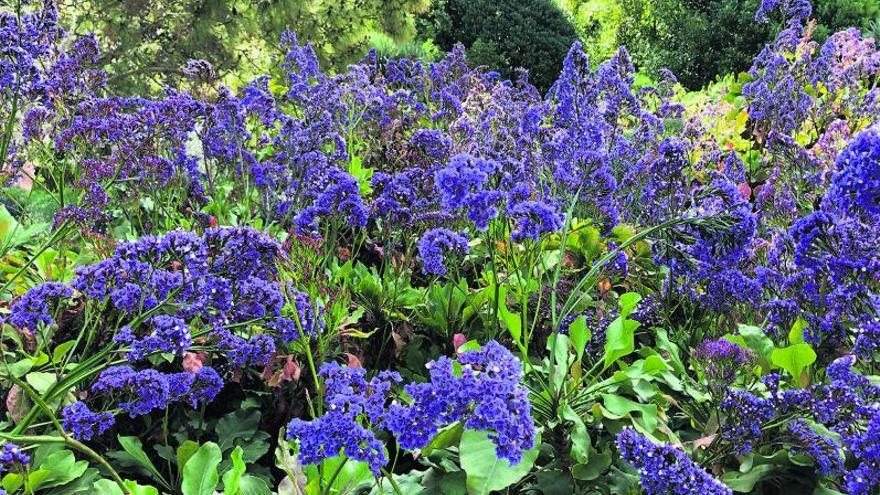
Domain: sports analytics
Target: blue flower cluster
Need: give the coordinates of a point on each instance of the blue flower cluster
(84, 424)
(486, 396)
(149, 389)
(436, 244)
(722, 362)
(11, 456)
(352, 401)
(665, 470)
(33, 308)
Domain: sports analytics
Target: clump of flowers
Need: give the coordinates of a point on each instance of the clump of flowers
(823, 450)
(855, 187)
(84, 424)
(352, 402)
(665, 470)
(12, 457)
(721, 361)
(435, 245)
(487, 396)
(33, 308)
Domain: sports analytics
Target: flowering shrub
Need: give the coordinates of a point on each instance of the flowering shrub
(409, 275)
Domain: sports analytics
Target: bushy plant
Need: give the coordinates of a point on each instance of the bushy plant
(504, 35)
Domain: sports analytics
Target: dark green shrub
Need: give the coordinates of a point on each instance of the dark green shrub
(504, 34)
(701, 39)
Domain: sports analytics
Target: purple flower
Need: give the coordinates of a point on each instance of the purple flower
(533, 219)
(351, 400)
(824, 450)
(435, 245)
(254, 351)
(84, 424)
(11, 456)
(148, 389)
(486, 396)
(855, 186)
(169, 335)
(197, 388)
(745, 416)
(33, 308)
(665, 470)
(722, 361)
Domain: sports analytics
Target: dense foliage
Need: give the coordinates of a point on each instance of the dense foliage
(144, 44)
(417, 278)
(504, 35)
(699, 40)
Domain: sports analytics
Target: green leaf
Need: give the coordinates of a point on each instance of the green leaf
(794, 359)
(135, 449)
(796, 334)
(61, 350)
(580, 437)
(622, 406)
(109, 487)
(557, 344)
(446, 437)
(599, 462)
(485, 471)
(57, 469)
(628, 303)
(252, 485)
(240, 424)
(580, 335)
(619, 339)
(511, 320)
(184, 452)
(620, 335)
(232, 478)
(40, 381)
(745, 482)
(200, 473)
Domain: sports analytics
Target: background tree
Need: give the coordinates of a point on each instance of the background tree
(701, 39)
(504, 34)
(145, 43)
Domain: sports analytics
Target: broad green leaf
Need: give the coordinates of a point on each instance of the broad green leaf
(200, 473)
(446, 437)
(628, 303)
(580, 335)
(794, 359)
(61, 350)
(796, 334)
(619, 339)
(252, 485)
(622, 406)
(40, 381)
(511, 320)
(232, 478)
(184, 452)
(485, 471)
(599, 462)
(745, 482)
(580, 436)
(109, 487)
(57, 469)
(558, 346)
(135, 449)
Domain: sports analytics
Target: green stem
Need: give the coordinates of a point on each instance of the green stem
(391, 480)
(329, 486)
